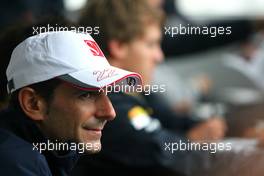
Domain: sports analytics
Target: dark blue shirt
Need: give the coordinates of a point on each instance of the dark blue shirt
(17, 135)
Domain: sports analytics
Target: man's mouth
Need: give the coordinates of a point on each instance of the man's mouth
(94, 131)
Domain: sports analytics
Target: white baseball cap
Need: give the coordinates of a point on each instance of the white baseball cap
(73, 57)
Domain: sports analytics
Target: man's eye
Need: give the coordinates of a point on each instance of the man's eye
(86, 95)
(89, 95)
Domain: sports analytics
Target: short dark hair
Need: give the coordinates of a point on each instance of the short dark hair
(44, 89)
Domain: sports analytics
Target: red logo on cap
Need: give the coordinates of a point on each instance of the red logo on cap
(94, 48)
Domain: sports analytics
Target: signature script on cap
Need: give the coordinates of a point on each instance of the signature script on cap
(104, 74)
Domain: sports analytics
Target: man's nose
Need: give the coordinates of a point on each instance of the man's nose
(104, 108)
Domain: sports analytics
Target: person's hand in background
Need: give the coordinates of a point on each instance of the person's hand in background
(256, 132)
(260, 138)
(211, 130)
(203, 84)
(200, 86)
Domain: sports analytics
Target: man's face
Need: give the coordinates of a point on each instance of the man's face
(76, 115)
(144, 53)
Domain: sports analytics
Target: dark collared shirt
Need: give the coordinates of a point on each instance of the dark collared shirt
(18, 157)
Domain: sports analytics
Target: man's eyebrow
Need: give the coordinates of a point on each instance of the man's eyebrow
(79, 91)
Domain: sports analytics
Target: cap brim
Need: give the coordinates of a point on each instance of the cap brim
(97, 79)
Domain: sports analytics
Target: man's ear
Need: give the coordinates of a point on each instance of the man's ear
(32, 104)
(117, 50)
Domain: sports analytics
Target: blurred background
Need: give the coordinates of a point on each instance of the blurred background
(204, 75)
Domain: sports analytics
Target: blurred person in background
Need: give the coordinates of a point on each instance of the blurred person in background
(133, 143)
(241, 29)
(248, 59)
(183, 94)
(198, 88)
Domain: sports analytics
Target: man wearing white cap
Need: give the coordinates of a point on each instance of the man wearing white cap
(57, 108)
